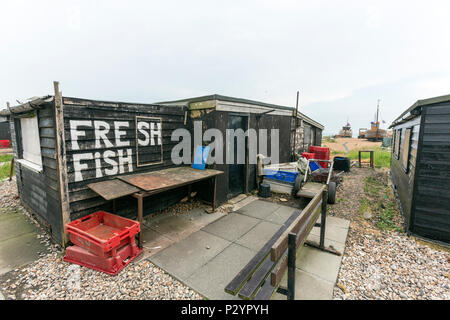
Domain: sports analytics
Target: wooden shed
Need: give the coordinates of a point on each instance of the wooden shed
(62, 144)
(5, 134)
(420, 167)
(223, 112)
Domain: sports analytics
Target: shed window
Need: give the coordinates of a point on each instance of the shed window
(405, 149)
(30, 144)
(398, 134)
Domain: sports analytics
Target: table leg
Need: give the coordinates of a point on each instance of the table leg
(214, 203)
(140, 215)
(189, 192)
(371, 159)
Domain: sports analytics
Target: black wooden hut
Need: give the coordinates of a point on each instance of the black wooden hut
(62, 144)
(420, 167)
(223, 112)
(5, 134)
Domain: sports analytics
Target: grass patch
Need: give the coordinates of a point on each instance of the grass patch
(328, 139)
(4, 171)
(380, 201)
(6, 157)
(382, 158)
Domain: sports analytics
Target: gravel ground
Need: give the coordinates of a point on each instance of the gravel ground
(51, 278)
(380, 264)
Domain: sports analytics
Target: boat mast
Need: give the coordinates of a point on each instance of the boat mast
(376, 123)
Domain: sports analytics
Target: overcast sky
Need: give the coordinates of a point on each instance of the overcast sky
(341, 55)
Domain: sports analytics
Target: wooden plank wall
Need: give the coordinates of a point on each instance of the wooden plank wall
(404, 181)
(39, 191)
(84, 201)
(431, 215)
(212, 118)
(5, 131)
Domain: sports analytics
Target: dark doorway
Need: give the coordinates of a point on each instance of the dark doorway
(236, 171)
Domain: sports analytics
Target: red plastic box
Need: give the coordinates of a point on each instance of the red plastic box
(110, 265)
(102, 232)
(5, 144)
(322, 153)
(102, 241)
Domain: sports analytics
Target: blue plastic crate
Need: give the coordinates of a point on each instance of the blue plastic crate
(284, 176)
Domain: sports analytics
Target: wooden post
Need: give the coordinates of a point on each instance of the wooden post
(11, 169)
(292, 249)
(61, 161)
(140, 216)
(359, 158)
(323, 219)
(371, 159)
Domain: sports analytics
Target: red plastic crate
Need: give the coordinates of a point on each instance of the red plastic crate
(5, 144)
(309, 155)
(110, 265)
(322, 153)
(102, 233)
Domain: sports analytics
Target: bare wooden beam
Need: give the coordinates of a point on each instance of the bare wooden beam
(61, 161)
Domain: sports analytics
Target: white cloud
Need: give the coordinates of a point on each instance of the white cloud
(332, 51)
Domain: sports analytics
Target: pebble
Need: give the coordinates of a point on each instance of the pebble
(384, 264)
(50, 277)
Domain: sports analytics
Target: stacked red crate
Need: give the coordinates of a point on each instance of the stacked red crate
(102, 241)
(322, 153)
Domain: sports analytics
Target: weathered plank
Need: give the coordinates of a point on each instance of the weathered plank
(236, 284)
(302, 234)
(280, 245)
(113, 189)
(249, 290)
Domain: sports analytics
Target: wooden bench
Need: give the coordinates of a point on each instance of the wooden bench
(261, 277)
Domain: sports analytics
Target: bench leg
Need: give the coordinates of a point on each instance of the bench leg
(289, 291)
(292, 249)
(322, 225)
(323, 218)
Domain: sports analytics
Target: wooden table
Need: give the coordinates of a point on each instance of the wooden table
(142, 185)
(371, 157)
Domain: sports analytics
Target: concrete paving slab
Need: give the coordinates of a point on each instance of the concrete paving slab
(232, 226)
(337, 222)
(319, 263)
(257, 237)
(211, 279)
(332, 232)
(308, 287)
(201, 218)
(15, 226)
(153, 241)
(184, 257)
(339, 246)
(280, 215)
(19, 250)
(244, 202)
(259, 209)
(237, 198)
(173, 227)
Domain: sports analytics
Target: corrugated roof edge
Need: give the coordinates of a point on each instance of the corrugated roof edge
(420, 103)
(240, 100)
(31, 105)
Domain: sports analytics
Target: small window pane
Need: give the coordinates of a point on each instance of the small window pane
(398, 135)
(405, 149)
(31, 146)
